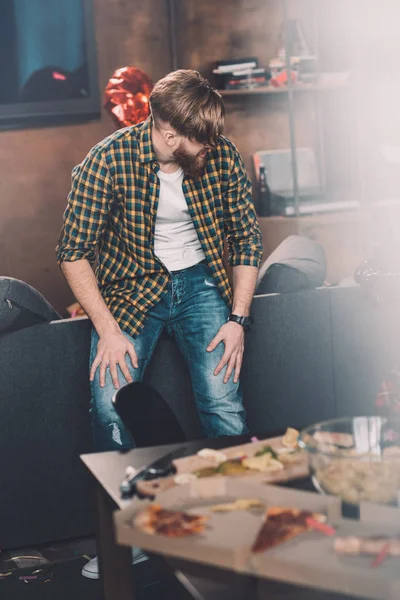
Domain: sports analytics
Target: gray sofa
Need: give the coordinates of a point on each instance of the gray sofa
(311, 355)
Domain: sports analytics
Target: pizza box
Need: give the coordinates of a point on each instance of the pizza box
(188, 464)
(308, 560)
(381, 513)
(311, 561)
(228, 537)
(299, 469)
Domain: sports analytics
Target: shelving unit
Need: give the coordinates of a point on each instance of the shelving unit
(323, 82)
(344, 233)
(349, 122)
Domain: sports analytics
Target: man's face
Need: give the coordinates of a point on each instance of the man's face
(191, 157)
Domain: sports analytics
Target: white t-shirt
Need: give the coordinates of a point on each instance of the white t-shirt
(176, 242)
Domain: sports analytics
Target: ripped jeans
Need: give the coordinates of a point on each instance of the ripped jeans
(192, 310)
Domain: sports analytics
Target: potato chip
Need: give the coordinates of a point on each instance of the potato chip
(264, 463)
(290, 438)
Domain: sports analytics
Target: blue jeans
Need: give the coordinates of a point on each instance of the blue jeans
(193, 311)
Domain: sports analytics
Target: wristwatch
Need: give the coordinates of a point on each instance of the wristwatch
(245, 322)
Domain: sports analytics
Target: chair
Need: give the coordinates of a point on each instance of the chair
(298, 263)
(22, 306)
(147, 416)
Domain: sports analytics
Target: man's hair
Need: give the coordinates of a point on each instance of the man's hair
(186, 101)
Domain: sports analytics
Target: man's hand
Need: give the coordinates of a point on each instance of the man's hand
(112, 349)
(232, 334)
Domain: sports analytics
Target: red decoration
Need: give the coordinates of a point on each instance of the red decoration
(126, 96)
(388, 396)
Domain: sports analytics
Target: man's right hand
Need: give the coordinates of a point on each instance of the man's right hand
(112, 349)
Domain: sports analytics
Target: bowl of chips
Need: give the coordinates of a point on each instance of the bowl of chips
(357, 459)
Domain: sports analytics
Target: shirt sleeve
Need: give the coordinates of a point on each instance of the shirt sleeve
(87, 211)
(242, 231)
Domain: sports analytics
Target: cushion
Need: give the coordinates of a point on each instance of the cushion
(21, 306)
(298, 263)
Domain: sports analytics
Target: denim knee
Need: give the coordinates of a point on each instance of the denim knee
(109, 432)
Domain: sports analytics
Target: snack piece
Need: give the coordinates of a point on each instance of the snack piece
(267, 450)
(232, 467)
(213, 455)
(367, 545)
(240, 504)
(264, 463)
(170, 523)
(283, 524)
(289, 458)
(355, 481)
(290, 438)
(206, 472)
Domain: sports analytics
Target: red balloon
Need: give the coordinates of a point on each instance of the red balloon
(126, 96)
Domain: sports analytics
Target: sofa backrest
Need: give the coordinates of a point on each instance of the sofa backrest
(287, 373)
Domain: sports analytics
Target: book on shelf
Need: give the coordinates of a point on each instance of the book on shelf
(243, 78)
(248, 83)
(229, 66)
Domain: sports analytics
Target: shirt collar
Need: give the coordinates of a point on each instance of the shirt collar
(146, 149)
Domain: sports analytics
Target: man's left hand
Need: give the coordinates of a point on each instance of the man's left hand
(232, 334)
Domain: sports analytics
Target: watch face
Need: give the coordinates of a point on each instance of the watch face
(247, 322)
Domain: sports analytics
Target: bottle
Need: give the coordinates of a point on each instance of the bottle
(264, 194)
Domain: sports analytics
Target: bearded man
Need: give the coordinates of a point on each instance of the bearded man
(153, 205)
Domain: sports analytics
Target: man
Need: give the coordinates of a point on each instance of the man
(154, 203)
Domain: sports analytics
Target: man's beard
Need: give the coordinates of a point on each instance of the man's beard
(192, 166)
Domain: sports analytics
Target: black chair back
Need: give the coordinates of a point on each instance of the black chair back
(147, 416)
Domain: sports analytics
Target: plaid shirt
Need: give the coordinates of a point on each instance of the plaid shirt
(111, 215)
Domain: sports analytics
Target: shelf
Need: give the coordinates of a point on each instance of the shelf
(272, 90)
(327, 81)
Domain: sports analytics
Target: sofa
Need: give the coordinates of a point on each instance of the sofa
(311, 355)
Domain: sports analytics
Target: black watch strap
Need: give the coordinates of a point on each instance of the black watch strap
(245, 322)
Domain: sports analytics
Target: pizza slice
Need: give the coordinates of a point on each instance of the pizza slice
(171, 523)
(283, 524)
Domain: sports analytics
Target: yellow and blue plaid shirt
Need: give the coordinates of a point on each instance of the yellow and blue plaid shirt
(111, 213)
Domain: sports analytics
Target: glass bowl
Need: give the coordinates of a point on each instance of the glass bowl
(357, 459)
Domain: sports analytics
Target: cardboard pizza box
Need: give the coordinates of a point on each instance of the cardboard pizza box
(228, 537)
(308, 560)
(189, 464)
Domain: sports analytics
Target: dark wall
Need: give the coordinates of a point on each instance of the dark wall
(35, 164)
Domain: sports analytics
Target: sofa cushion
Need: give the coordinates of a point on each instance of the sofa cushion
(297, 264)
(21, 306)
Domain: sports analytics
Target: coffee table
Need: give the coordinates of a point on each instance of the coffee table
(115, 561)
